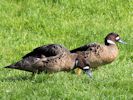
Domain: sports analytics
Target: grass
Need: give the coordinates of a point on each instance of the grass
(26, 24)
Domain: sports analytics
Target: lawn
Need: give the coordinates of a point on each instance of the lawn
(26, 24)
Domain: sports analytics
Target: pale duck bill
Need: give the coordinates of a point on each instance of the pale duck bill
(121, 41)
(88, 71)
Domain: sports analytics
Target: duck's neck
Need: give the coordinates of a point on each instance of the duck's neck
(112, 53)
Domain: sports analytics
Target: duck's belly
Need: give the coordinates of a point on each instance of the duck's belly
(57, 68)
(94, 63)
(59, 65)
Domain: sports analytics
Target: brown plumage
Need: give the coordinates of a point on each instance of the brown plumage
(48, 58)
(94, 55)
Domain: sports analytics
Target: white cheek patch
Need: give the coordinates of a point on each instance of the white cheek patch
(117, 38)
(76, 62)
(85, 68)
(110, 42)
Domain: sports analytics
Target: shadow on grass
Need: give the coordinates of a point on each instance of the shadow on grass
(37, 78)
(16, 78)
(47, 77)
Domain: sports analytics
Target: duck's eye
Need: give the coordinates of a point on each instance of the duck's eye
(37, 59)
(117, 38)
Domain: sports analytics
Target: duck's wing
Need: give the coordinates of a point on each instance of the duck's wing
(82, 48)
(85, 47)
(36, 52)
(47, 50)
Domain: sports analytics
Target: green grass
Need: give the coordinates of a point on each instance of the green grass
(26, 24)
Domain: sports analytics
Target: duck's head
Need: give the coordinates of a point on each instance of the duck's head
(112, 38)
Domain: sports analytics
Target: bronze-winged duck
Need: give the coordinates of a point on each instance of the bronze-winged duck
(48, 58)
(93, 55)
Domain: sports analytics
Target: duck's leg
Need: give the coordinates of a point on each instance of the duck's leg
(78, 71)
(88, 71)
(34, 74)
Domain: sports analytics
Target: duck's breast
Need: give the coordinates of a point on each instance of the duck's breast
(112, 53)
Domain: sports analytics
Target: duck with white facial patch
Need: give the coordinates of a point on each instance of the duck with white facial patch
(94, 55)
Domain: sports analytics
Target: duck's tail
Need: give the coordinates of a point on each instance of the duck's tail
(24, 64)
(17, 65)
(10, 66)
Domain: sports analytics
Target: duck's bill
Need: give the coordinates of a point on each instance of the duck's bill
(121, 41)
(89, 73)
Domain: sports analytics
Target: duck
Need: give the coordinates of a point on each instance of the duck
(93, 55)
(47, 58)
